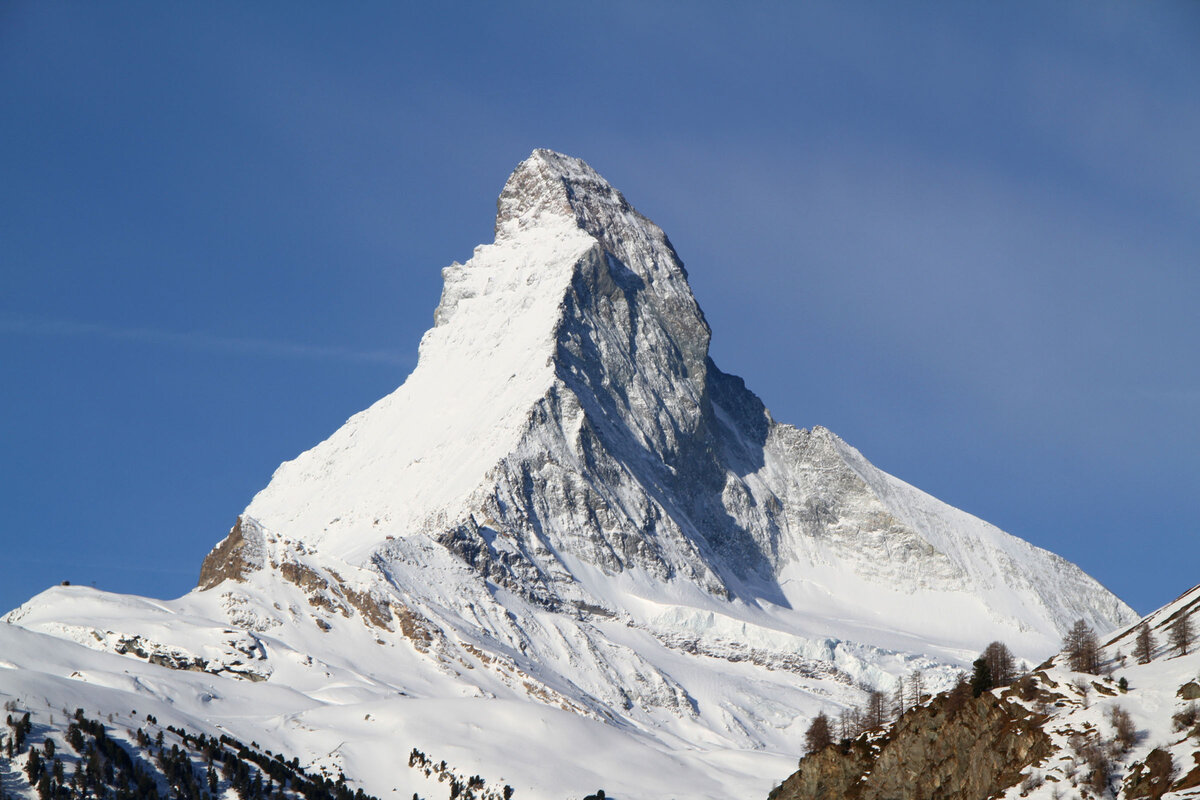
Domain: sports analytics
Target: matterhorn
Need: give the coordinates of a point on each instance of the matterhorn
(568, 552)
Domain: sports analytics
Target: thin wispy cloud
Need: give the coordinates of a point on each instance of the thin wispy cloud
(193, 340)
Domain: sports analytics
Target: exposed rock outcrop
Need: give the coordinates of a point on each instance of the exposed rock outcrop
(1129, 732)
(237, 555)
(974, 752)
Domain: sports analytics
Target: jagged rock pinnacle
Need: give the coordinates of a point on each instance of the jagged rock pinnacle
(550, 182)
(640, 261)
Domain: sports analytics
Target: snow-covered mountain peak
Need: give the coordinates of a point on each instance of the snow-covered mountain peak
(552, 184)
(546, 183)
(580, 306)
(565, 426)
(548, 187)
(567, 505)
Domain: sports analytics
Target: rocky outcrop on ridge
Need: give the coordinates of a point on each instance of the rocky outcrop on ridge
(933, 751)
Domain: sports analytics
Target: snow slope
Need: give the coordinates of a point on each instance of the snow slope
(1156, 692)
(569, 539)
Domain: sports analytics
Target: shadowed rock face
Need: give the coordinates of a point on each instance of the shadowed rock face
(975, 752)
(1152, 778)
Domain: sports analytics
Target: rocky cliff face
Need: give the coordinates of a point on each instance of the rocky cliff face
(975, 751)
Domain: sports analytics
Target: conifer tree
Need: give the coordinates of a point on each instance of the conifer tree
(898, 707)
(1082, 649)
(818, 736)
(1181, 634)
(33, 766)
(956, 698)
(1143, 644)
(981, 677)
(876, 712)
(916, 680)
(1001, 664)
(849, 723)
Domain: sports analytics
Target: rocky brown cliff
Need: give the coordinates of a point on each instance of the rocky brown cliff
(934, 752)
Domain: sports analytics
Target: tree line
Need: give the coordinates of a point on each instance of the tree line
(192, 767)
(994, 668)
(1083, 653)
(472, 788)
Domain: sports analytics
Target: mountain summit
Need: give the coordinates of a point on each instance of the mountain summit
(565, 422)
(571, 520)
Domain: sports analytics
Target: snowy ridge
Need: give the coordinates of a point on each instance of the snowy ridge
(995, 560)
(569, 530)
(421, 448)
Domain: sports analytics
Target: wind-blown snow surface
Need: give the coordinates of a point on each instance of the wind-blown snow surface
(571, 552)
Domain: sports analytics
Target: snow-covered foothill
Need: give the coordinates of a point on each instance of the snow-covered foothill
(1158, 698)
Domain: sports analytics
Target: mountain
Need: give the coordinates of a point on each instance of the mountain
(1130, 730)
(570, 552)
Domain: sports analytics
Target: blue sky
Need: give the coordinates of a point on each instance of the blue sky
(965, 237)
